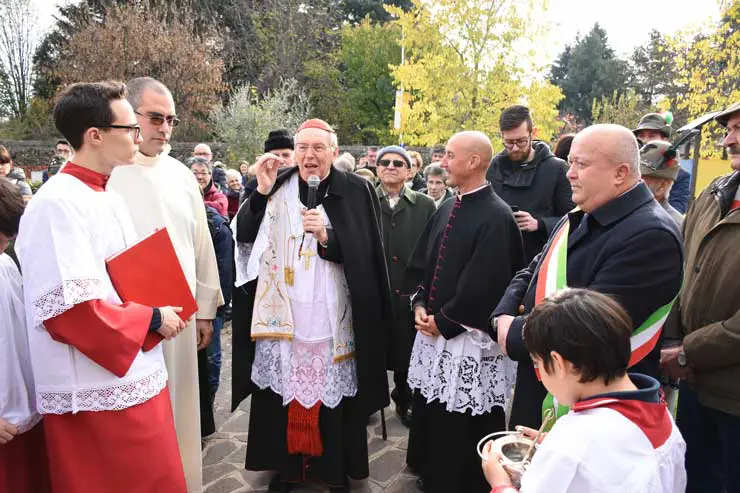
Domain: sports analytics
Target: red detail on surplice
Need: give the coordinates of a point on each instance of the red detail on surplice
(127, 451)
(110, 335)
(92, 179)
(652, 418)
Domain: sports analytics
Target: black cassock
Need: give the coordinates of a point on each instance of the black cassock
(460, 269)
(355, 242)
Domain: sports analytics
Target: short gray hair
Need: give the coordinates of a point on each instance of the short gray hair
(192, 161)
(435, 170)
(232, 173)
(138, 86)
(345, 162)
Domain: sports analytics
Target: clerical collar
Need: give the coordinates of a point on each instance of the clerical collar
(92, 179)
(320, 192)
(462, 195)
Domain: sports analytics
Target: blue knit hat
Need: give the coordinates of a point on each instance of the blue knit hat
(394, 150)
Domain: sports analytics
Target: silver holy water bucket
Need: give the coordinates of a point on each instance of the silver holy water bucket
(513, 447)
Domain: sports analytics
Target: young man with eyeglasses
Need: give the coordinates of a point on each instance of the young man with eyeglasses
(98, 366)
(405, 215)
(160, 191)
(528, 176)
(311, 312)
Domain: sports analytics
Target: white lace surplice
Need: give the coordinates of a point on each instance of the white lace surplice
(467, 372)
(303, 368)
(66, 234)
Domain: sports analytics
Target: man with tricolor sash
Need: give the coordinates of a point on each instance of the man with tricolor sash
(618, 241)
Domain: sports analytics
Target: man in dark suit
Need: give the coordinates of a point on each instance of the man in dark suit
(621, 242)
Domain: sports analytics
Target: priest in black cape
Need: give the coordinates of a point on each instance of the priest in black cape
(461, 266)
(311, 311)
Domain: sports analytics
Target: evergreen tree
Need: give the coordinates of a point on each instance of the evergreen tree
(588, 71)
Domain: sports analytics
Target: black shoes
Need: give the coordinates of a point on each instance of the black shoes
(420, 484)
(277, 485)
(339, 489)
(405, 415)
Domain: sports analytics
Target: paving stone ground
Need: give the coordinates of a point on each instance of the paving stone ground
(224, 452)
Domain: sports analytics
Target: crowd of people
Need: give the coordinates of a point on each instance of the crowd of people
(498, 288)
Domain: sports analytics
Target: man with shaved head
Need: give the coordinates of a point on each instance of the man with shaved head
(619, 241)
(461, 267)
(179, 208)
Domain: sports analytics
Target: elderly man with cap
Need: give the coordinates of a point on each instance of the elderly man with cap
(311, 315)
(280, 143)
(706, 322)
(659, 168)
(405, 215)
(657, 126)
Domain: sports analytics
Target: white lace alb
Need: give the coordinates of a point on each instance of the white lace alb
(303, 371)
(464, 373)
(64, 296)
(111, 398)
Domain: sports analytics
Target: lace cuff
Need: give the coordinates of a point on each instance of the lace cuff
(64, 296)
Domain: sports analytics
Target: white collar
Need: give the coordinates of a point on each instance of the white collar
(461, 195)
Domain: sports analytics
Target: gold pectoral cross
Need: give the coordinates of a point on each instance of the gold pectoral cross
(307, 254)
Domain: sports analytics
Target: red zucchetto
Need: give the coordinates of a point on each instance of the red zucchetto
(316, 123)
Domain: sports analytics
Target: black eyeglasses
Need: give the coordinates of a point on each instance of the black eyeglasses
(157, 120)
(135, 128)
(392, 162)
(520, 143)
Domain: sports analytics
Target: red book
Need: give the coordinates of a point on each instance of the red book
(149, 273)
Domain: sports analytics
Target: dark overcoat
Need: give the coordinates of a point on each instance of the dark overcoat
(629, 248)
(402, 227)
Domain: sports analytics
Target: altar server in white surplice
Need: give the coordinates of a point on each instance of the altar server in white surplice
(24, 467)
(98, 368)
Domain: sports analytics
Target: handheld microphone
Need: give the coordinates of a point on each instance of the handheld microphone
(313, 186)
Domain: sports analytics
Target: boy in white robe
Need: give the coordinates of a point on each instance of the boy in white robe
(618, 435)
(24, 466)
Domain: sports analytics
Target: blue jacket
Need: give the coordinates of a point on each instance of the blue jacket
(224, 247)
(629, 248)
(681, 191)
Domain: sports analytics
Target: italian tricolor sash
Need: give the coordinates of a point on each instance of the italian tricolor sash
(552, 277)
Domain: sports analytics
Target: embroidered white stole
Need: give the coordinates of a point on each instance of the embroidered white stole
(274, 256)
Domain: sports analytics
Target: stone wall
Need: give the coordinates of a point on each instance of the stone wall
(34, 155)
